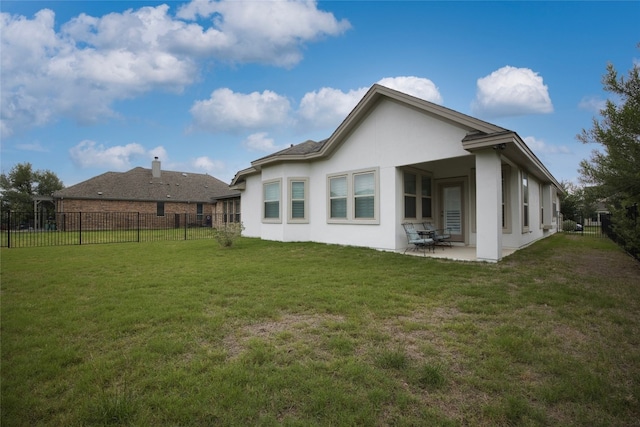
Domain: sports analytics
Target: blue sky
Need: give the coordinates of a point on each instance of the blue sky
(209, 86)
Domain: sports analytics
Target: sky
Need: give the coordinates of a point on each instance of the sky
(88, 87)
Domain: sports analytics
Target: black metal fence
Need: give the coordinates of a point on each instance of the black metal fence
(26, 229)
(595, 226)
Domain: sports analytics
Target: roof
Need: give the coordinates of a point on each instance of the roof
(138, 184)
(480, 134)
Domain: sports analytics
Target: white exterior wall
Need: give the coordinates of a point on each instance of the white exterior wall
(390, 137)
(251, 206)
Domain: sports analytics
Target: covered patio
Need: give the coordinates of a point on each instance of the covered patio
(455, 253)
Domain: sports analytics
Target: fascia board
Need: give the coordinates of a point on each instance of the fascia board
(238, 180)
(516, 149)
(377, 92)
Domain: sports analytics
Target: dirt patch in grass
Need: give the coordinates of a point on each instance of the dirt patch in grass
(591, 263)
(288, 329)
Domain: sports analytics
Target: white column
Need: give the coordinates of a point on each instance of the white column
(488, 205)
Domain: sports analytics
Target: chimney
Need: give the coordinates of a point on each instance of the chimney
(155, 168)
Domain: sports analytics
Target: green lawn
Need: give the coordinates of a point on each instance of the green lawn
(186, 333)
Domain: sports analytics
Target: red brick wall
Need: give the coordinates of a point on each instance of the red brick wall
(75, 205)
(118, 214)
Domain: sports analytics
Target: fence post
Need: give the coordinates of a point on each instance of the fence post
(185, 225)
(9, 229)
(138, 222)
(80, 228)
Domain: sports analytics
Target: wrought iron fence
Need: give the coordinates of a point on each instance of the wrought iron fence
(595, 226)
(26, 229)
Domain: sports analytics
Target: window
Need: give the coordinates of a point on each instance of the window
(338, 197)
(425, 191)
(410, 195)
(541, 201)
(525, 201)
(298, 194)
(353, 197)
(271, 201)
(199, 211)
(414, 185)
(236, 204)
(505, 172)
(364, 185)
(160, 209)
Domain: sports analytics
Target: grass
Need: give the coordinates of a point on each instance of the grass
(301, 334)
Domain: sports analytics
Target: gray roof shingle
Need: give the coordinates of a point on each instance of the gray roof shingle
(139, 185)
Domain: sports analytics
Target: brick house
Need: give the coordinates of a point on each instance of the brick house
(164, 198)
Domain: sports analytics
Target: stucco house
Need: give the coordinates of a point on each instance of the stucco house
(204, 199)
(396, 159)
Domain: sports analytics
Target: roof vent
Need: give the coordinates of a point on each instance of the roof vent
(99, 193)
(184, 174)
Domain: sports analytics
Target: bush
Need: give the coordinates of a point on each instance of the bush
(228, 234)
(568, 225)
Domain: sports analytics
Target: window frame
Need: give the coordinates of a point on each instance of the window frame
(420, 197)
(265, 184)
(350, 197)
(305, 200)
(505, 172)
(406, 195)
(160, 209)
(525, 186)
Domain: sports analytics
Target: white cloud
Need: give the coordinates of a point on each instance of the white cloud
(414, 86)
(260, 142)
(593, 104)
(228, 111)
(35, 146)
(540, 147)
(511, 91)
(327, 107)
(270, 32)
(90, 154)
(91, 62)
(208, 165)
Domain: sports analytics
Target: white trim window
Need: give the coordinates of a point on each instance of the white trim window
(505, 171)
(271, 201)
(410, 195)
(338, 197)
(417, 185)
(353, 197)
(427, 198)
(525, 202)
(298, 200)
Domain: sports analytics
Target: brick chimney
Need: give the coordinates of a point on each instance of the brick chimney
(155, 168)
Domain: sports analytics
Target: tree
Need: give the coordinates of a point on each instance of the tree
(614, 173)
(22, 183)
(576, 202)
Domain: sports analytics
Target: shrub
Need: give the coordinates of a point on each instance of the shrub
(568, 225)
(228, 234)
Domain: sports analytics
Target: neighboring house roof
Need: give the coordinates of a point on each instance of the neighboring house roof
(480, 135)
(138, 184)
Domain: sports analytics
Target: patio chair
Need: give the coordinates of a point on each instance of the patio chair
(416, 240)
(441, 236)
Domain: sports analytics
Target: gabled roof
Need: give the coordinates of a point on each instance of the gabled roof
(481, 134)
(138, 184)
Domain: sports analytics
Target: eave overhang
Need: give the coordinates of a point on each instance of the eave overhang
(511, 146)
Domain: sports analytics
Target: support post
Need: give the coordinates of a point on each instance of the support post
(489, 205)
